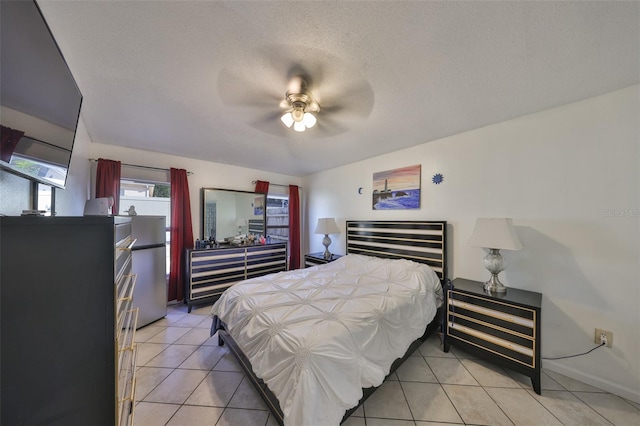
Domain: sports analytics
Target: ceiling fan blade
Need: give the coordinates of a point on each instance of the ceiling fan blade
(270, 123)
(285, 104)
(235, 89)
(314, 107)
(357, 99)
(328, 126)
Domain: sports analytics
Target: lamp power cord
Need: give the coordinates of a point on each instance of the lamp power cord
(573, 356)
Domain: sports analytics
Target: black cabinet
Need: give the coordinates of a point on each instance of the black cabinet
(313, 259)
(503, 328)
(60, 346)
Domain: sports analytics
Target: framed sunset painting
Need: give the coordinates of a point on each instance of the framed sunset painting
(397, 189)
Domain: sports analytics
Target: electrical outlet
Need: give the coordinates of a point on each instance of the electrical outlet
(603, 335)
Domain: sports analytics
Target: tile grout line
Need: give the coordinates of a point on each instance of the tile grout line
(487, 393)
(196, 387)
(173, 369)
(445, 391)
(145, 365)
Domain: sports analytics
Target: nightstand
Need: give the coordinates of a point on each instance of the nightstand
(313, 259)
(502, 328)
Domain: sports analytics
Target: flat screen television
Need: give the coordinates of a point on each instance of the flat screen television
(39, 97)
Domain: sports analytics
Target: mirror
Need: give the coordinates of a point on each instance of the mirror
(227, 213)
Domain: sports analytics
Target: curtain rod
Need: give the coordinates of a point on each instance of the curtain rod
(142, 167)
(274, 184)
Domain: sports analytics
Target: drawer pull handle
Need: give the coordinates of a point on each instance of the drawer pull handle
(131, 244)
(128, 247)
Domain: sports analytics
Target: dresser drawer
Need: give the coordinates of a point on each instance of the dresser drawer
(261, 262)
(123, 232)
(212, 271)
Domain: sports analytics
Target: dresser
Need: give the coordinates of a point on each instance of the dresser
(503, 328)
(313, 259)
(67, 327)
(211, 271)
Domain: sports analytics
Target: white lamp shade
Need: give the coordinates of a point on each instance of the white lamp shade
(287, 119)
(495, 233)
(309, 120)
(299, 119)
(327, 225)
(241, 222)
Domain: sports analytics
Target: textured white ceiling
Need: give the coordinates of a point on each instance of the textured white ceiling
(203, 79)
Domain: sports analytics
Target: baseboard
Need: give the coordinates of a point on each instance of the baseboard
(605, 385)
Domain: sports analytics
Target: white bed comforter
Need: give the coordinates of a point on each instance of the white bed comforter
(317, 336)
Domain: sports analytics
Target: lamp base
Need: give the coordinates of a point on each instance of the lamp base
(495, 264)
(494, 285)
(326, 242)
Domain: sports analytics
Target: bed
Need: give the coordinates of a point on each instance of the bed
(316, 342)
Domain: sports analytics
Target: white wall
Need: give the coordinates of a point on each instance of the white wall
(560, 174)
(205, 174)
(70, 201)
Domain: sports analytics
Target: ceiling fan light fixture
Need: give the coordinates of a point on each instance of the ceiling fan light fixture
(299, 126)
(287, 119)
(301, 106)
(309, 120)
(298, 113)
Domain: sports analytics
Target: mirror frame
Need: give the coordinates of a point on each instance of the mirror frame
(248, 196)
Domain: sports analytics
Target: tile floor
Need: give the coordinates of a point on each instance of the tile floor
(185, 378)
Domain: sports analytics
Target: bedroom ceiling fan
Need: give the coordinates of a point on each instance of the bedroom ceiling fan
(300, 106)
(310, 77)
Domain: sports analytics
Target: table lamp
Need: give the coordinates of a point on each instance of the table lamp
(326, 226)
(240, 223)
(495, 234)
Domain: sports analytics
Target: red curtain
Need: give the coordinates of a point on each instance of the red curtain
(181, 232)
(294, 227)
(262, 187)
(108, 182)
(10, 138)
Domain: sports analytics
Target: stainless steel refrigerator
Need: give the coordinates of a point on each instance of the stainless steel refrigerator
(149, 256)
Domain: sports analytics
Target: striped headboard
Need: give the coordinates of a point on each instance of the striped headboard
(420, 241)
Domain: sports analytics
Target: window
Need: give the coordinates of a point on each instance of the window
(44, 198)
(148, 199)
(278, 217)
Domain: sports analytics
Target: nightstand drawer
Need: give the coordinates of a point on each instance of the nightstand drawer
(493, 330)
(505, 348)
(495, 318)
(501, 310)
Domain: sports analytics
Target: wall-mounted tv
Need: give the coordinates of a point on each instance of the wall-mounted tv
(39, 97)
